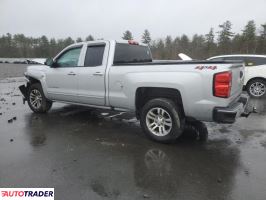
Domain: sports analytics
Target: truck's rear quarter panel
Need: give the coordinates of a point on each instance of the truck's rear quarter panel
(194, 84)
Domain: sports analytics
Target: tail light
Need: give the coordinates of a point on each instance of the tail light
(222, 84)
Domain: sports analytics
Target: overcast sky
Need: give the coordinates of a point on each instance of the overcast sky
(110, 18)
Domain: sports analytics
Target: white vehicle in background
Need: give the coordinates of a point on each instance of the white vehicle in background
(184, 56)
(255, 72)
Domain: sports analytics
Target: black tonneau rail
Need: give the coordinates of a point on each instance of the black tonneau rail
(181, 62)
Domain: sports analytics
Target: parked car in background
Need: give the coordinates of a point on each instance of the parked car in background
(255, 72)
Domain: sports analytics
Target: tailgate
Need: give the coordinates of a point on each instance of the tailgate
(237, 78)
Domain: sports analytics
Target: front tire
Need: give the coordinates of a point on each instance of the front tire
(161, 120)
(36, 99)
(256, 88)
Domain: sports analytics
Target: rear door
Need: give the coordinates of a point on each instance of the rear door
(61, 79)
(91, 77)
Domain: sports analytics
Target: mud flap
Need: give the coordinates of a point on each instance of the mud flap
(23, 89)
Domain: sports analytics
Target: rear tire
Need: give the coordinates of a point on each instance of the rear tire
(161, 120)
(36, 99)
(256, 88)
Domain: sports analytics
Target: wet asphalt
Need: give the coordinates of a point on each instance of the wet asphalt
(12, 70)
(93, 154)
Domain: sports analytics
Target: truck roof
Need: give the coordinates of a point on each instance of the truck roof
(115, 41)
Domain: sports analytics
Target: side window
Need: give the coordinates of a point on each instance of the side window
(227, 58)
(217, 59)
(261, 61)
(235, 58)
(94, 56)
(253, 61)
(69, 58)
(249, 61)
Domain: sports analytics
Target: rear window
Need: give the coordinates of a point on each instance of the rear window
(253, 61)
(126, 53)
(94, 56)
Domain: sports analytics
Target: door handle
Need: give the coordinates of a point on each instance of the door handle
(98, 74)
(71, 74)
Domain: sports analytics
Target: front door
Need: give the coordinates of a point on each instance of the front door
(61, 78)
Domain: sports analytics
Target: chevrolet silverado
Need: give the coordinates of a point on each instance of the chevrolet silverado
(121, 75)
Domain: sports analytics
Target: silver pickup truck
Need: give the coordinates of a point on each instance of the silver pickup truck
(121, 75)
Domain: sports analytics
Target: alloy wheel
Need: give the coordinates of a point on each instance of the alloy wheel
(257, 89)
(35, 99)
(159, 121)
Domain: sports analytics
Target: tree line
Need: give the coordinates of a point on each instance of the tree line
(20, 46)
(251, 40)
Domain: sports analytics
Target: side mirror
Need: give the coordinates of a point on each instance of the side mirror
(49, 62)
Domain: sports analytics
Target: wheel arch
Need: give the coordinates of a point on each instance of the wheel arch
(144, 94)
(33, 80)
(252, 79)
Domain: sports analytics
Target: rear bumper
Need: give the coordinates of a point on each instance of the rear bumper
(231, 113)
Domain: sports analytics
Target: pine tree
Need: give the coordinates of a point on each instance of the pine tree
(197, 46)
(169, 53)
(263, 31)
(210, 37)
(146, 37)
(89, 38)
(68, 41)
(44, 47)
(20, 42)
(8, 46)
(79, 39)
(224, 37)
(238, 44)
(161, 49)
(210, 43)
(249, 37)
(262, 40)
(53, 48)
(176, 47)
(184, 44)
(127, 35)
(157, 48)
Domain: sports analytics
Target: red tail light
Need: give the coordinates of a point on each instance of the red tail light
(222, 84)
